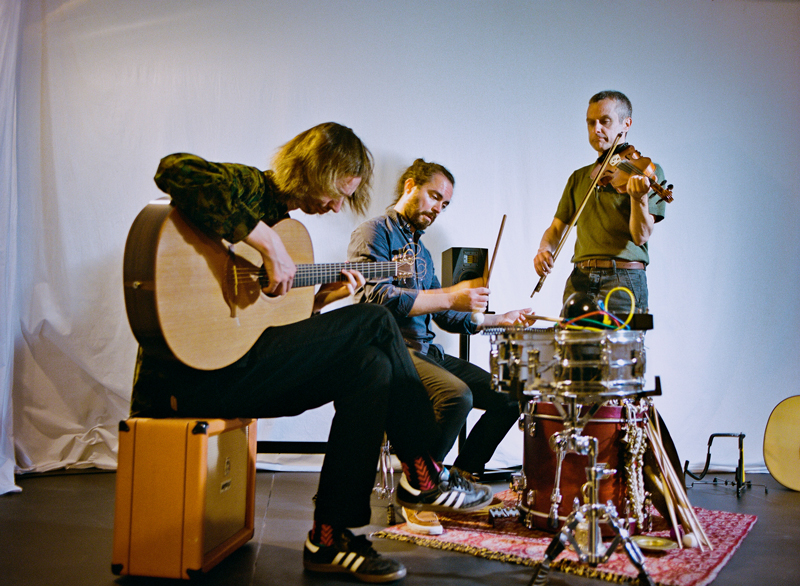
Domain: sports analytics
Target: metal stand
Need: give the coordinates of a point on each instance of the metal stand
(741, 483)
(384, 488)
(582, 527)
(463, 354)
(488, 475)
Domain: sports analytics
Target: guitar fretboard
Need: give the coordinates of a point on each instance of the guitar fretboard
(316, 274)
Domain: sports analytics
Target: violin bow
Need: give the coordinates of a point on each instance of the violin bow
(574, 219)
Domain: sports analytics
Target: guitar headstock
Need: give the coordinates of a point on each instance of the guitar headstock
(405, 265)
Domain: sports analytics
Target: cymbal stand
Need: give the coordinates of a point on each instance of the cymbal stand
(581, 529)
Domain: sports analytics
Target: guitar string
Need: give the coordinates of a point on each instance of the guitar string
(310, 273)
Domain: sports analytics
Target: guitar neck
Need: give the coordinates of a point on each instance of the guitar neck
(317, 274)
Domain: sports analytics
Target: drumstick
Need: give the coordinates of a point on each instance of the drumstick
(535, 316)
(477, 316)
(672, 483)
(670, 506)
(494, 254)
(682, 499)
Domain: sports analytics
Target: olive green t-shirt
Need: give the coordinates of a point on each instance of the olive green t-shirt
(602, 228)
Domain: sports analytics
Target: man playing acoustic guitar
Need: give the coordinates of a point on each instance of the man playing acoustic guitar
(354, 356)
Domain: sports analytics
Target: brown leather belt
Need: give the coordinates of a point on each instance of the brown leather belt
(605, 263)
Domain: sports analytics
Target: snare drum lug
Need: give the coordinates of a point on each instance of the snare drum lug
(527, 520)
(638, 364)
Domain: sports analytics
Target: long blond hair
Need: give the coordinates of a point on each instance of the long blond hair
(309, 165)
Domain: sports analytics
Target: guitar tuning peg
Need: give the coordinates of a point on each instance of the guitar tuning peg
(662, 183)
(669, 186)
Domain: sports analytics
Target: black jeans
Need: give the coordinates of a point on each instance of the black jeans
(455, 386)
(354, 357)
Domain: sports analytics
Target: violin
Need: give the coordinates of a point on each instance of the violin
(627, 161)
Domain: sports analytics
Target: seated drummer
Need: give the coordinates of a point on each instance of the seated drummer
(455, 386)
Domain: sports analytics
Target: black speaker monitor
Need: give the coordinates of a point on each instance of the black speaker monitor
(462, 264)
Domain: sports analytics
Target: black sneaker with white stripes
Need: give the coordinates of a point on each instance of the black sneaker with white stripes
(454, 493)
(351, 554)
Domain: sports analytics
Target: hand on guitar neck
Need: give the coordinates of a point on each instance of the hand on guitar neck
(280, 270)
(330, 292)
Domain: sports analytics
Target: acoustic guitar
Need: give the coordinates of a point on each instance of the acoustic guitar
(198, 299)
(782, 443)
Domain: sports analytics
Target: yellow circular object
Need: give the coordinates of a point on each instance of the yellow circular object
(782, 443)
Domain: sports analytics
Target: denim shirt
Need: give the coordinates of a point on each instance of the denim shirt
(384, 238)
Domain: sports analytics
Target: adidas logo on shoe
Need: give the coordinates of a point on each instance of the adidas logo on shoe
(454, 493)
(351, 554)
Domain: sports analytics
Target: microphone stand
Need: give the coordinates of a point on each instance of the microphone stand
(574, 220)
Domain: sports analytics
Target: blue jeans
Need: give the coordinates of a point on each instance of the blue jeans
(598, 282)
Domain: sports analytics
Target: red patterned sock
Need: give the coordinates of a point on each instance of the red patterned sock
(423, 473)
(322, 534)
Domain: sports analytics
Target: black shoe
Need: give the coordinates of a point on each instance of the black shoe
(453, 494)
(351, 554)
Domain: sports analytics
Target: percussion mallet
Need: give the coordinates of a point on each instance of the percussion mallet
(477, 317)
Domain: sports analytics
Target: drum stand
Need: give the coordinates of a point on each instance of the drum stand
(581, 529)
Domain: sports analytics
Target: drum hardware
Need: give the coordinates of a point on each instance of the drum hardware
(582, 527)
(568, 441)
(575, 372)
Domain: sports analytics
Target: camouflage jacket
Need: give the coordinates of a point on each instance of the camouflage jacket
(226, 199)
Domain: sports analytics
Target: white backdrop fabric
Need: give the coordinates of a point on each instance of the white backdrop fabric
(496, 91)
(9, 52)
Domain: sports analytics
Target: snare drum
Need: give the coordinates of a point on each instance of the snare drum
(521, 359)
(606, 364)
(539, 464)
(595, 366)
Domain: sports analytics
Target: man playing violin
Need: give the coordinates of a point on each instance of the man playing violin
(454, 385)
(614, 227)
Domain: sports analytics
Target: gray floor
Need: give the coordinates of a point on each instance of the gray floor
(58, 531)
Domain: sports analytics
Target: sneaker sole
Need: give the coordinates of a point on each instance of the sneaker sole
(421, 529)
(371, 578)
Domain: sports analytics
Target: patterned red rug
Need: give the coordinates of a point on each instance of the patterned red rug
(508, 540)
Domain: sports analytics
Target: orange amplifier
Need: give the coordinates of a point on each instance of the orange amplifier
(185, 494)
